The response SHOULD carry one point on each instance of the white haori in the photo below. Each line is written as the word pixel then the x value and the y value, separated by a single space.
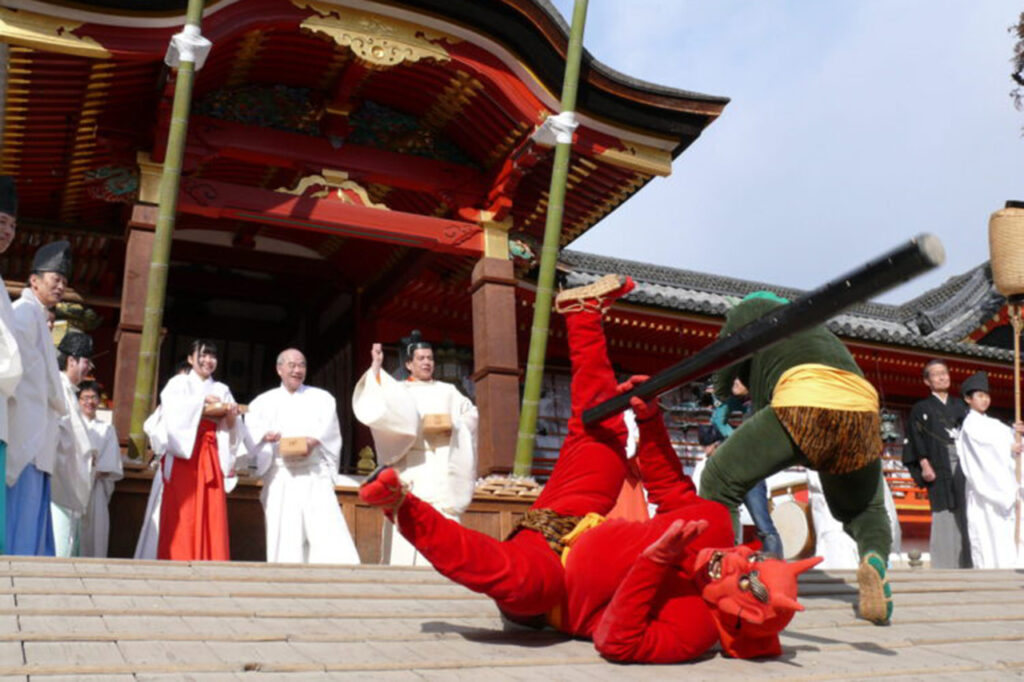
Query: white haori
pixel 984 448
pixel 440 469
pixel 149 535
pixel 303 518
pixel 182 402
pixel 71 483
pixel 10 358
pixel 95 538
pixel 38 400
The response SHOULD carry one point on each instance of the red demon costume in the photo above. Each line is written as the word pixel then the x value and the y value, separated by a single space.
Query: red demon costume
pixel 644 591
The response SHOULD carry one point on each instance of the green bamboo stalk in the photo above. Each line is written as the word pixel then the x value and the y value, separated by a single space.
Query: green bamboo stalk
pixel 549 256
pixel 156 289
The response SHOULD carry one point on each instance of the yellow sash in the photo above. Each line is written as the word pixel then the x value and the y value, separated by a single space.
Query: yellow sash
pixel 814 385
pixel 591 520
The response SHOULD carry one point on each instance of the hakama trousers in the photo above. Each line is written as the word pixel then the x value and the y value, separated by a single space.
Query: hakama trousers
pixel 94 535
pixel 149 535
pixel 194 509
pixel 3 500
pixel 67 528
pixel 304 521
pixel 29 524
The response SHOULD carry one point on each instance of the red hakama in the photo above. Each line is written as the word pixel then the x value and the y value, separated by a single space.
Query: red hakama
pixel 194 511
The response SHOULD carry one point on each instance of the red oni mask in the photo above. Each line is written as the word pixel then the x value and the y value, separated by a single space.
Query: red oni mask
pixel 752 597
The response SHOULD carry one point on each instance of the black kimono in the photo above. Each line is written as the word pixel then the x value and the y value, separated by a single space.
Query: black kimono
pixel 929 437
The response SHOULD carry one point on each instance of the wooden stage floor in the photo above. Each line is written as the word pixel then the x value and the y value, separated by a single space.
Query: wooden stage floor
pixel 91 620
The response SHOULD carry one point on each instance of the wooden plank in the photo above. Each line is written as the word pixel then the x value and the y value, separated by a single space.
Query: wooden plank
pixel 73 653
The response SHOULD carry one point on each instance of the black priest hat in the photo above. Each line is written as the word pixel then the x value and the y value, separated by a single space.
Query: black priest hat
pixel 8 195
pixel 53 257
pixel 976 382
pixel 76 345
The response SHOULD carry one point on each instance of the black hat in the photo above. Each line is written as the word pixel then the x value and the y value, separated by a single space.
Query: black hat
pixel 8 195
pixel 76 345
pixel 415 343
pixel 53 257
pixel 976 382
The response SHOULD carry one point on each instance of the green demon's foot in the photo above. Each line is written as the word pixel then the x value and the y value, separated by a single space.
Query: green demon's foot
pixel 875 593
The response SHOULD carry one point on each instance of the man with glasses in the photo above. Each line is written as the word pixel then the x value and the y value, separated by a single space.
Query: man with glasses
pixel 106 471
pixel 298 446
pixel 72 472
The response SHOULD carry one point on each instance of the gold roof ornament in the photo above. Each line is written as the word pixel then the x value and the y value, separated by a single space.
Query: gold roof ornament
pixel 375 39
pixel 333 182
pixel 49 34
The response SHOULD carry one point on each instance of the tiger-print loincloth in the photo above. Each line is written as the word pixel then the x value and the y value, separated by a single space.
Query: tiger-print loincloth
pixel 552 525
pixel 834 441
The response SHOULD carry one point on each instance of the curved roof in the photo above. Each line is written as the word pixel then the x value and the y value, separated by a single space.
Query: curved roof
pixel 937 320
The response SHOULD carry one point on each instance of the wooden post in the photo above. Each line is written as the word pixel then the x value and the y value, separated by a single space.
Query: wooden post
pixel 1017 323
pixel 495 363
pixel 139 249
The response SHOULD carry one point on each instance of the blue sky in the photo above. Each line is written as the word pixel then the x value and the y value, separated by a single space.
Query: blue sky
pixel 853 126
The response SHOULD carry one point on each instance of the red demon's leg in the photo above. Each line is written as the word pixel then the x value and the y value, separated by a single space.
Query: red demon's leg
pixel 592 464
pixel 661 471
pixel 522 574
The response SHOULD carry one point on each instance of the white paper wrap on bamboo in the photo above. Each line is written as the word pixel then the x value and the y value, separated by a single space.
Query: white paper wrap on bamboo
pixel 182 402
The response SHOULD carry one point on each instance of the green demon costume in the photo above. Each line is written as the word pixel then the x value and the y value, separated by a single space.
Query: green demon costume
pixel 813 408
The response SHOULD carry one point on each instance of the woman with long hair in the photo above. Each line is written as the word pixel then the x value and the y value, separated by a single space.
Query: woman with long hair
pixel 203 434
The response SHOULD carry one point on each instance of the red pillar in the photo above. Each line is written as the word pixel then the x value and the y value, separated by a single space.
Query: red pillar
pixel 138 253
pixel 495 363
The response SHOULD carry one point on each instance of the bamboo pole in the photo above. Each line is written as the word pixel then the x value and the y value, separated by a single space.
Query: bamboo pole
pixel 1017 323
pixel 156 288
pixel 549 256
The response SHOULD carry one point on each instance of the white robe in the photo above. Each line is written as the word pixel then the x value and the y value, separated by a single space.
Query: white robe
pixel 149 535
pixel 303 519
pixel 182 402
pixel 72 472
pixel 983 446
pixel 71 481
pixel 108 469
pixel 39 399
pixel 10 358
pixel 441 470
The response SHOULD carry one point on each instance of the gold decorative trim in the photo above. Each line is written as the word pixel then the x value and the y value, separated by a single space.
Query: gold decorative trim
pixel 150 173
pixel 459 91
pixel 336 183
pixel 47 34
pixel 496 237
pixel 377 40
pixel 84 146
pixel 640 158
